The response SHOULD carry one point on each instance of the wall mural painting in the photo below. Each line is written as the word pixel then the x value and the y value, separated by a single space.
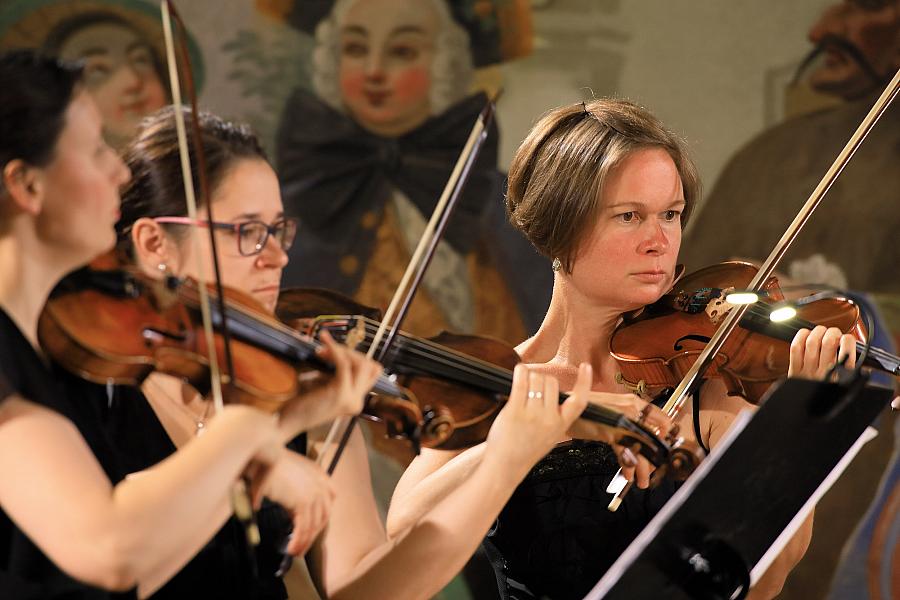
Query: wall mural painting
pixel 120 42
pixel 856 51
pixel 365 150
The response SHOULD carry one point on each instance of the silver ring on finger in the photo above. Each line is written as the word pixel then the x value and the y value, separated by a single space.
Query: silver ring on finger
pixel 628 458
pixel 644 414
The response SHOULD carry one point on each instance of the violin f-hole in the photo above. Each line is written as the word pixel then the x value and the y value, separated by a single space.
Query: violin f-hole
pixel 697 338
pixel 151 335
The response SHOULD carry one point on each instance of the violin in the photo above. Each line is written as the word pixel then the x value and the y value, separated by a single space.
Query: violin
pixel 465 378
pixel 119 326
pixel 656 347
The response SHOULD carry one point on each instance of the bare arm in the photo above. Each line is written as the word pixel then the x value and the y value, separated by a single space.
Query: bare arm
pixel 430 477
pixel 441 542
pixel 53 488
pixel 355 528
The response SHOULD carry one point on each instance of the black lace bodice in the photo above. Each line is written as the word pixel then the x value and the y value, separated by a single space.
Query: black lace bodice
pixel 555 538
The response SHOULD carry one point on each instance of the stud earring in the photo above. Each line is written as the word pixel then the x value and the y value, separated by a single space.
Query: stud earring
pixel 162 267
pixel 557 265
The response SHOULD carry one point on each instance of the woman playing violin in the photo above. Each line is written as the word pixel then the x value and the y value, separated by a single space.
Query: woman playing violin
pixel 353 558
pixel 71 524
pixel 603 190
pixel 147 425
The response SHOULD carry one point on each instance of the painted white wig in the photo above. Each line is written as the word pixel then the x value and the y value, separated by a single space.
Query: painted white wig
pixel 451 69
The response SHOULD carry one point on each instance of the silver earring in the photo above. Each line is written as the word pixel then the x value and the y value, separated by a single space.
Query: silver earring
pixel 557 265
pixel 162 267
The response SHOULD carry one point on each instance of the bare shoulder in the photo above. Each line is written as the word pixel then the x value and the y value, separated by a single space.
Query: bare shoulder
pixel 714 397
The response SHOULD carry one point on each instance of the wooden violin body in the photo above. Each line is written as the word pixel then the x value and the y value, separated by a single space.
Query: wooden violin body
pixel 656 347
pixel 122 326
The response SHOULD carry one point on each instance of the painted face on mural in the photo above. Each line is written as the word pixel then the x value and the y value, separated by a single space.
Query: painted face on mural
pixel 386 53
pixel 860 40
pixel 120 73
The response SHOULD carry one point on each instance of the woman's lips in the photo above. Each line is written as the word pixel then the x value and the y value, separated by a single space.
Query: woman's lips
pixel 650 276
pixel 266 289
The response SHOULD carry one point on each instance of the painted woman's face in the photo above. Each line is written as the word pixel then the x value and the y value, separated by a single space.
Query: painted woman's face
pixel 386 51
pixel 120 74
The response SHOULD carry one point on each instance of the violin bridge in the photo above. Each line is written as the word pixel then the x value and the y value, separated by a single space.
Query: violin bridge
pixel 718 307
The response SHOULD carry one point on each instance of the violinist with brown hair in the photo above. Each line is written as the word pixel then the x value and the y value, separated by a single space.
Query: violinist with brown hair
pixel 603 189
pixel 71 524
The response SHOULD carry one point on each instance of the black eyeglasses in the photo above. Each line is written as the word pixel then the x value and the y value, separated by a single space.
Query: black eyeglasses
pixel 252 236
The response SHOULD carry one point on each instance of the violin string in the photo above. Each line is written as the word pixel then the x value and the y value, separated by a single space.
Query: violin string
pixel 449 357
pixel 763 310
pixel 464 362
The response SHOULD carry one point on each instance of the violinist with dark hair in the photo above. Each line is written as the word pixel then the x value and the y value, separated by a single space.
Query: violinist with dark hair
pixel 148 424
pixel 602 189
pixel 71 524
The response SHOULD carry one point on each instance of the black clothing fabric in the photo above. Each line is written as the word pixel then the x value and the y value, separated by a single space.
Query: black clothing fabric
pixel 25 572
pixel 555 538
pixel 223 568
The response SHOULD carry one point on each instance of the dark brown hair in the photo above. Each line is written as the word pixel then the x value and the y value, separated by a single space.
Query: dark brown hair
pixel 34 97
pixel 156 188
pixel 556 177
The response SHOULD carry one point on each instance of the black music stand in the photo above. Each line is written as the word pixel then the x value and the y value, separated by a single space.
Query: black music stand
pixel 727 515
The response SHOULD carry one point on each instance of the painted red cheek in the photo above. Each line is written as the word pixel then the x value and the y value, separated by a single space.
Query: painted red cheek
pixel 155 95
pixel 352 83
pixel 412 83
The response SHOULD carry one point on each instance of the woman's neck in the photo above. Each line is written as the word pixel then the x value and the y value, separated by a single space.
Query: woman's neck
pixel 26 279
pixel 575 330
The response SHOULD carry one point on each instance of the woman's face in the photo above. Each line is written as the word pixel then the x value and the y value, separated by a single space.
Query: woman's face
pixel 386 51
pixel 628 259
pixel 81 186
pixel 248 192
pixel 120 73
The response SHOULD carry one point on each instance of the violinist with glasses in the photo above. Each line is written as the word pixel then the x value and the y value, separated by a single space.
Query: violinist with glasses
pixel 603 190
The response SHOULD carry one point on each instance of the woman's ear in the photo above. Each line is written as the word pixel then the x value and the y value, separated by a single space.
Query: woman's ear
pixel 154 251
pixel 24 186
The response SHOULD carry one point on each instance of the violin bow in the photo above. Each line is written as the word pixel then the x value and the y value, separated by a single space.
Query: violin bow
pixel 415 270
pixel 675 404
pixel 691 380
pixel 241 504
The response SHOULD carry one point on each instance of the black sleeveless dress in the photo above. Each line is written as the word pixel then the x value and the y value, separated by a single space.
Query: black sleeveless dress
pixel 225 567
pixel 555 538
pixel 26 573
